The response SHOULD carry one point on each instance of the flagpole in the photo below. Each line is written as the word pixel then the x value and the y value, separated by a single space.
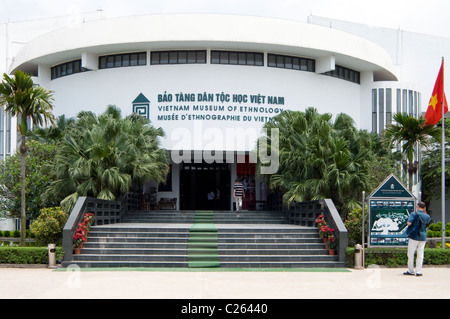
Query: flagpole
pixel 443 161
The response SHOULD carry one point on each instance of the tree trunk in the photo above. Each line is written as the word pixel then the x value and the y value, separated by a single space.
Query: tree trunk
pixel 411 180
pixel 23 215
pixel 412 169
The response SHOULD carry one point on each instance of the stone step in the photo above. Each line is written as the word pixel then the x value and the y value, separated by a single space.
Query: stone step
pixel 242 240
pixel 184 228
pixel 223 258
pixel 125 264
pixel 183 245
pixel 230 217
pixel 236 264
pixel 222 252
pixel 220 240
pixel 260 221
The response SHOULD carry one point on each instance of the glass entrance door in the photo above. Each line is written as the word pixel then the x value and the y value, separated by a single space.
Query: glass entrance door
pixel 205 186
pixel 245 173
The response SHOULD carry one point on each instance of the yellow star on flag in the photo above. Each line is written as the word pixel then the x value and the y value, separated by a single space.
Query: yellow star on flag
pixel 433 101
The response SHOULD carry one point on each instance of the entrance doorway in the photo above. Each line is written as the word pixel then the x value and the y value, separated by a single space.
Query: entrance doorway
pixel 205 186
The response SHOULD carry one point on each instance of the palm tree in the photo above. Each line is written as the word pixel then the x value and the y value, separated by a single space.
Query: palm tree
pixel 103 157
pixel 23 99
pixel 52 134
pixel 320 158
pixel 411 133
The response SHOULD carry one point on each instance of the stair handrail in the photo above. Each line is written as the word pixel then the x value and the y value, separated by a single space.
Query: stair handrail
pixel 115 210
pixel 341 233
pixel 69 229
pixel 305 214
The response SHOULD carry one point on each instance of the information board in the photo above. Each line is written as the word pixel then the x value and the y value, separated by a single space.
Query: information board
pixel 389 208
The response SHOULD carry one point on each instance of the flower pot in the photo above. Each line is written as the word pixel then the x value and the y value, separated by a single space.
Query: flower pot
pixel 332 251
pixel 325 240
pixel 77 251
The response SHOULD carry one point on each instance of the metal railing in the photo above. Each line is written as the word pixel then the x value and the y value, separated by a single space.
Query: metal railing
pixel 105 212
pixel 305 214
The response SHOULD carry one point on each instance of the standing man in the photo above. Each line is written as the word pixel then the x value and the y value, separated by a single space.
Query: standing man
pixel 238 193
pixel 417 233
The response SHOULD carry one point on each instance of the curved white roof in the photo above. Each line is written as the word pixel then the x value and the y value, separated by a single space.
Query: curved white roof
pixel 205 31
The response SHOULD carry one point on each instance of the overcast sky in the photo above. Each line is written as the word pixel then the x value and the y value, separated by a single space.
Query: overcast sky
pixel 431 17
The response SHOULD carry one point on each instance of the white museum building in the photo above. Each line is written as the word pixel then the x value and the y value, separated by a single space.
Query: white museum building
pixel 212 81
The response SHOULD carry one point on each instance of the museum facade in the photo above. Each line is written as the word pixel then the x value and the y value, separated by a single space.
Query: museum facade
pixel 211 82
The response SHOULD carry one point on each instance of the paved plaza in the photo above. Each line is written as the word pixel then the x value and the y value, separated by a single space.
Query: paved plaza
pixel 374 283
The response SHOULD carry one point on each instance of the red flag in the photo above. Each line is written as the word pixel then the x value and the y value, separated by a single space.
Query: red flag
pixel 434 111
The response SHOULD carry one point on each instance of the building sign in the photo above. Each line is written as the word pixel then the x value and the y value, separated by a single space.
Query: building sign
pixel 389 208
pixel 211 121
pixel 141 106
pixel 207 106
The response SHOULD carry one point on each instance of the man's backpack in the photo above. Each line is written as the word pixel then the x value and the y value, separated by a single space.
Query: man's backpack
pixel 413 230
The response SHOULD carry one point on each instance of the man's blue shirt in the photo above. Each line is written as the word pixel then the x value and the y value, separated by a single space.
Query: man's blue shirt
pixel 426 220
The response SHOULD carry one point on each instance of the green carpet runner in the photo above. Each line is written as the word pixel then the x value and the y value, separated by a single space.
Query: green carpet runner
pixel 202 242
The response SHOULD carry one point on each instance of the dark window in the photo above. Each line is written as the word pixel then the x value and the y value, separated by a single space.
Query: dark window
pixel 291 62
pixel 388 106
pixel 237 58
pixel 133 59
pixel 109 61
pixel 66 68
pixel 345 74
pixel 374 110
pixel 381 110
pixel 122 60
pixel 177 57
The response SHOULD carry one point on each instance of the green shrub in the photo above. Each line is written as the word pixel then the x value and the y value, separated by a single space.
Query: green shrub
pixel 389 257
pixel 433 233
pixel 27 255
pixel 6 233
pixel 394 257
pixel 435 230
pixel 435 227
pixel 436 257
pixel 48 227
pixel 353 223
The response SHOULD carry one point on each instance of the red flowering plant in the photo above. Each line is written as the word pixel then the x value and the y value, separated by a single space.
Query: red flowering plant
pixel 82 230
pixel 322 224
pixel 78 238
pixel 320 220
pixel 327 232
pixel 331 243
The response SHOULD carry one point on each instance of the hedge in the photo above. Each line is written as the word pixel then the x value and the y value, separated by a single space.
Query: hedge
pixel 15 233
pixel 394 257
pixel 27 255
pixel 379 256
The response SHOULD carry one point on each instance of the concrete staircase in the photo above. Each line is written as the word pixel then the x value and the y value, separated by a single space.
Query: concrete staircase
pixel 244 240
pixel 220 217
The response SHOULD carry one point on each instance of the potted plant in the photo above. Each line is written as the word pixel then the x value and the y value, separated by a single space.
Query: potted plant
pixel 321 224
pixel 88 220
pixel 331 244
pixel 78 240
pixel 82 232
pixel 323 232
pixel 327 232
